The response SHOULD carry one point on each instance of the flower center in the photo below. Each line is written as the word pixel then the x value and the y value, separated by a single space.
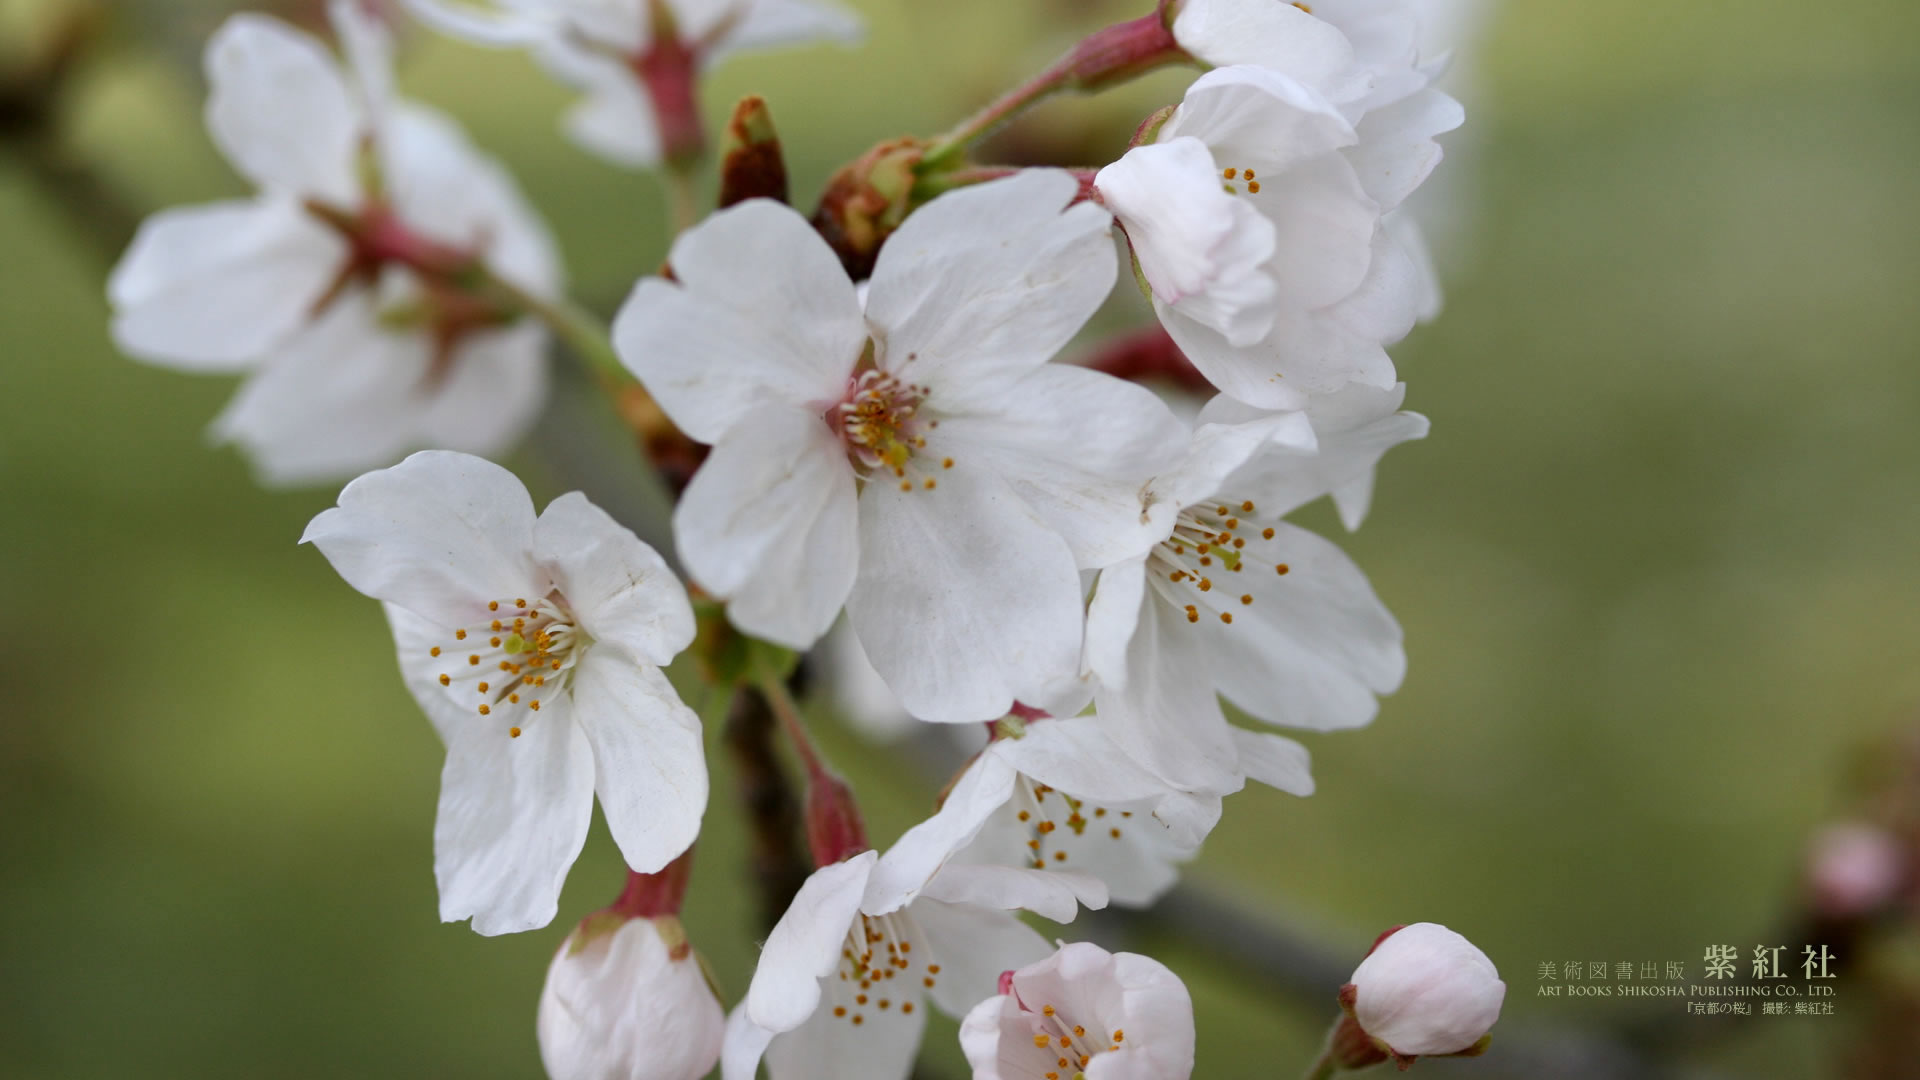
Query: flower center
pixel 884 426
pixel 1042 810
pixel 1070 1046
pixel 1234 177
pixel 503 666
pixel 879 949
pixel 1210 542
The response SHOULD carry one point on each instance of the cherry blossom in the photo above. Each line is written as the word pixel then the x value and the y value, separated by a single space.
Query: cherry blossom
pixel 534 645
pixel 1062 794
pixel 844 980
pixel 1256 217
pixel 341 288
pixel 1084 1012
pixel 1234 600
pixel 918 460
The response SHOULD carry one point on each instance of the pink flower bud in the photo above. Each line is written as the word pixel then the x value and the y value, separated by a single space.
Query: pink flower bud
pixel 1425 990
pixel 626 999
pixel 1854 869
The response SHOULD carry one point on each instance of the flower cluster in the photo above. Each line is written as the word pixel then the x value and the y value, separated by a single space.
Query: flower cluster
pixel 1101 574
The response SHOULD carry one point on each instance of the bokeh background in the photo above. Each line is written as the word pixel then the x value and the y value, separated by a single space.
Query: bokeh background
pixel 1656 565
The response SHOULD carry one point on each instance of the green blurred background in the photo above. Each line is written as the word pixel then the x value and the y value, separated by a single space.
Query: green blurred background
pixel 1656 564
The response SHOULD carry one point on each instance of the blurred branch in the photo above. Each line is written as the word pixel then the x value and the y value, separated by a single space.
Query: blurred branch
pixel 779 861
pixel 32 107
pixel 1291 962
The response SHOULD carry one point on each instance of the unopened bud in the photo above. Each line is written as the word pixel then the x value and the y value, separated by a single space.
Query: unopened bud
pixel 866 201
pixel 753 167
pixel 835 830
pixel 627 999
pixel 1424 991
pixel 1854 870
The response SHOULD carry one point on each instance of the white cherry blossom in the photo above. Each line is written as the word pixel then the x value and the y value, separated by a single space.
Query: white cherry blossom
pixel 333 285
pixel 1377 62
pixel 1256 217
pixel 1084 1012
pixel 1061 794
pixel 918 460
pixel 626 999
pixel 534 645
pixel 844 980
pixel 1236 601
pixel 639 61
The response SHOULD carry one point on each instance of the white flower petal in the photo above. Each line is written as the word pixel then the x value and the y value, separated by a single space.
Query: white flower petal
pixel 1218 450
pixel 992 1055
pixel 281 112
pixel 616 121
pixel 440 534
pixel 881 1047
pixel 1355 427
pixel 445 188
pixel 1426 990
pixel 769 24
pixel 1324 229
pixel 650 767
pixel 1077 445
pixel 513 816
pixel 498 28
pixel 1257 373
pixel 1397 151
pixel 338 398
pixel 620 590
pixel 973 945
pixel 1386 305
pixel 802 584
pixel 932 551
pixel 1308 353
pixel 367 45
pixel 1112 616
pixel 1275 35
pixel 769 483
pixel 1078 755
pixel 216 288
pixel 745 1044
pixel 1258 117
pixel 805 946
pixel 621 1007
pixel 489 396
pixel 761 313
pixel 1107 992
pixel 1052 894
pixel 1404 230
pixel 1275 761
pixel 1315 646
pixel 1201 247
pixel 989 281
pixel 1168 719
pixel 921 851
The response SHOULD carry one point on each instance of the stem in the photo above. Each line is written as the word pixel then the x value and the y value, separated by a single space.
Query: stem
pixel 787 712
pixel 835 829
pixel 580 329
pixel 683 202
pixel 1105 57
pixel 649 896
pixel 1324 1068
